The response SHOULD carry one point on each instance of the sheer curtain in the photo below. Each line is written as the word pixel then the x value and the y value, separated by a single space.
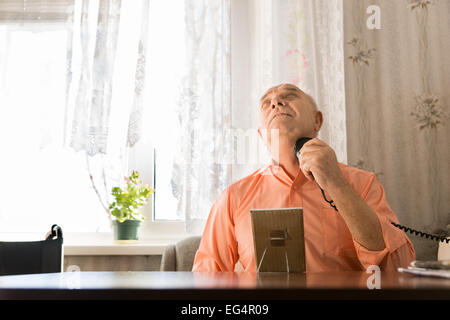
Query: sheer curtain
pixel 106 87
pixel 301 42
pixel 298 42
pixel 199 173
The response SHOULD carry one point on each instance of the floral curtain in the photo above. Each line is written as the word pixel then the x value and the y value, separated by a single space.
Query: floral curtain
pixel 397 81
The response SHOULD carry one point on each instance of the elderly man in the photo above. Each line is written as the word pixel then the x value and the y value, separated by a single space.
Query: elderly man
pixel 359 235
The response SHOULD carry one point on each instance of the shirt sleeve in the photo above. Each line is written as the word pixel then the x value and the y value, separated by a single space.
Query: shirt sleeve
pixel 399 251
pixel 218 246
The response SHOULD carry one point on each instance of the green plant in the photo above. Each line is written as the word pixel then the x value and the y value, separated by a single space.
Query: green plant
pixel 128 201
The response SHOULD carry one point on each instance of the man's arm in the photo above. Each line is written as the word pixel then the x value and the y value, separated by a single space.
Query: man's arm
pixel 365 211
pixel 399 251
pixel 318 161
pixel 361 219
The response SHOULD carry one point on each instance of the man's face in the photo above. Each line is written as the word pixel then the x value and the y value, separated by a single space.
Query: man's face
pixel 289 110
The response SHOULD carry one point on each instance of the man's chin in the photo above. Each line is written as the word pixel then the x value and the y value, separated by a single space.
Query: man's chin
pixel 282 130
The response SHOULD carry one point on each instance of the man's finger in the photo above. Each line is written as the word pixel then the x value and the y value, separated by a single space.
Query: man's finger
pixel 311 150
pixel 305 164
pixel 315 141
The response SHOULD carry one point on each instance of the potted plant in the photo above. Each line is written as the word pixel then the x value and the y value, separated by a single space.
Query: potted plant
pixel 126 207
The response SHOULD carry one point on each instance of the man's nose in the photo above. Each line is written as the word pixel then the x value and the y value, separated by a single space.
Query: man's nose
pixel 277 102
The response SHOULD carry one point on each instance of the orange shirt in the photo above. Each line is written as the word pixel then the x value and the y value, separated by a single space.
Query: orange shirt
pixel 227 236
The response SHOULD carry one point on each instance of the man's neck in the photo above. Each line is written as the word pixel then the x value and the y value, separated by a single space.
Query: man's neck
pixel 287 158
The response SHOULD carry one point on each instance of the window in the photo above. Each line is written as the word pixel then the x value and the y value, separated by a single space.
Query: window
pixel 43 182
pixel 166 61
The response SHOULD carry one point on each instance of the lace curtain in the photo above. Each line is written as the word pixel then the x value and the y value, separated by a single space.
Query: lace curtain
pixel 299 42
pixel 106 76
pixel 313 59
pixel 93 97
pixel 204 112
pixel 270 45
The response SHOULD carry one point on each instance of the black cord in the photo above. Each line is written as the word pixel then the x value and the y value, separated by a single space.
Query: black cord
pixel 421 233
pixel 404 228
pixel 331 202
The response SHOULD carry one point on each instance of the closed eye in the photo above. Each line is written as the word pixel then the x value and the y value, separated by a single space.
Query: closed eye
pixel 291 96
pixel 265 104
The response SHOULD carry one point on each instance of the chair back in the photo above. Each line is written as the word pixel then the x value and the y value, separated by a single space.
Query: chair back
pixel 180 256
pixel 33 256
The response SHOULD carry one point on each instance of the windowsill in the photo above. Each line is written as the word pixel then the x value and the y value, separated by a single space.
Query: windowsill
pixel 147 247
pixel 104 244
pixel 93 244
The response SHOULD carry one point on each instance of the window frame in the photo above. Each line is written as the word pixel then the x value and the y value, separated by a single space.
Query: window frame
pixel 151 228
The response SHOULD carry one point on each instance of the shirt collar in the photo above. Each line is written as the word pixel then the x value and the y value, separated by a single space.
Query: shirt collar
pixel 275 170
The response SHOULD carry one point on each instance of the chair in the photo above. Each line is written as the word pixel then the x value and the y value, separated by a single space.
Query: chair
pixel 180 256
pixel 33 256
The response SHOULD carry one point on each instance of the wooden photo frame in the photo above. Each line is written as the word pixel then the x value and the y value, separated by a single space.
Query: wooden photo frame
pixel 278 238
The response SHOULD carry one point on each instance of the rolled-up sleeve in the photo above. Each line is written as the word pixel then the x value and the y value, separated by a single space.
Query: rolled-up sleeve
pixel 218 246
pixel 399 251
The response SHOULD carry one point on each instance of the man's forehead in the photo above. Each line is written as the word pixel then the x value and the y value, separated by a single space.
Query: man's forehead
pixel 282 89
pixel 289 89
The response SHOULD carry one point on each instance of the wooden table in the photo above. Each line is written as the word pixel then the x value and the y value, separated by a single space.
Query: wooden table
pixel 220 286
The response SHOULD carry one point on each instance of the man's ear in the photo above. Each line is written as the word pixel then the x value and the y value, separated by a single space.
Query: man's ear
pixel 318 120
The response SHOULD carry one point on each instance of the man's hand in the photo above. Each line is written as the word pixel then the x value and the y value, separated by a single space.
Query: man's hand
pixel 318 162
